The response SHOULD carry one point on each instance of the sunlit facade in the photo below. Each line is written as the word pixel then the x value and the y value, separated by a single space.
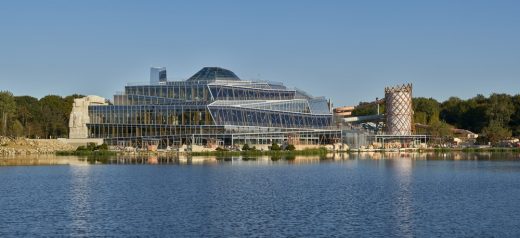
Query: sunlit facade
pixel 212 106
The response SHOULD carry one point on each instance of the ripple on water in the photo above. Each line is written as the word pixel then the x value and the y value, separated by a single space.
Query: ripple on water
pixel 308 197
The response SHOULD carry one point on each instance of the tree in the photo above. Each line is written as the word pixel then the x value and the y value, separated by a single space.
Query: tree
pixel 451 111
pixel 474 117
pixel 426 110
pixel 514 123
pixel 275 146
pixel 7 109
pixel 54 116
pixel 17 129
pixel 290 147
pixel 495 132
pixel 466 114
pixel 245 147
pixel 29 114
pixel 500 109
pixel 367 108
pixel 440 129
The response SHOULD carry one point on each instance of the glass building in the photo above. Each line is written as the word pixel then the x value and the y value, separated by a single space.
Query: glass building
pixel 157 75
pixel 213 106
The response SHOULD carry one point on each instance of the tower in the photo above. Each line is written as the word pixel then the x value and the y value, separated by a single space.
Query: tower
pixel 399 111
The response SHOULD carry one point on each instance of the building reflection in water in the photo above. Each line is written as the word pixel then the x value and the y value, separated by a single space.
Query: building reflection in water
pixel 49 159
pixel 404 207
pixel 80 202
pixel 215 160
pixel 241 160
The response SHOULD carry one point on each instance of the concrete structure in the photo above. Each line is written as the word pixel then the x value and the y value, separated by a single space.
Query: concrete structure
pixel 157 75
pixel 79 116
pixel 81 141
pixel 399 110
pixel 343 112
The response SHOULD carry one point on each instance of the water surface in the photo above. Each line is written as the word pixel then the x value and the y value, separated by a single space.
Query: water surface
pixel 371 195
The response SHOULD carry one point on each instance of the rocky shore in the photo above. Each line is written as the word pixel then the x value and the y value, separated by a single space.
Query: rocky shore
pixel 23 146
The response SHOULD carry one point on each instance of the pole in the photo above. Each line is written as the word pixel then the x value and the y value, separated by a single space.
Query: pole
pixel 377 102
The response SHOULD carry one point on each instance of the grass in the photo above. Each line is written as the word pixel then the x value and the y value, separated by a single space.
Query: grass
pixel 87 153
pixel 320 151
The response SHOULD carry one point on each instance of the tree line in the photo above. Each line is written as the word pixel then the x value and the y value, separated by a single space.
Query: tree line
pixel 26 116
pixel 494 118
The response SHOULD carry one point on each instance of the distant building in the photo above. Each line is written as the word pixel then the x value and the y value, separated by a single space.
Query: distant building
pixel 157 75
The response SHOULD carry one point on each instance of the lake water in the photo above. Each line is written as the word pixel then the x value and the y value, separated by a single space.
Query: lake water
pixel 365 195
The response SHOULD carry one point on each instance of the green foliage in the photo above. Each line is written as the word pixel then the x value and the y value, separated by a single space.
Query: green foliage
pixel 17 129
pixel 246 147
pixel 275 147
pixel 440 129
pixel 496 117
pixel 274 153
pixel 7 112
pixel 495 132
pixel 221 149
pixel 87 153
pixel 29 114
pixel 426 110
pixel 93 147
pixel 103 147
pixel 500 109
pixel 81 148
pixel 54 116
pixel 469 114
pixel 29 117
pixel 466 114
pixel 514 123
pixel 366 108
pixel 290 147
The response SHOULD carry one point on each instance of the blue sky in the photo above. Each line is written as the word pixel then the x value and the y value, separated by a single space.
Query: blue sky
pixel 345 50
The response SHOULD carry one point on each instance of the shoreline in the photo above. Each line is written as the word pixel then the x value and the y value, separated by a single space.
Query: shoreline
pixel 39 148
pixel 309 152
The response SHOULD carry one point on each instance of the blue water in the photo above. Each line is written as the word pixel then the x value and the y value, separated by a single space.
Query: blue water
pixel 356 197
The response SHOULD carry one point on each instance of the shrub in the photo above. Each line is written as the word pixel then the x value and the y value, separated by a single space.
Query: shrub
pixel 290 147
pixel 103 147
pixel 275 147
pixel 81 148
pixel 221 149
pixel 91 146
pixel 246 147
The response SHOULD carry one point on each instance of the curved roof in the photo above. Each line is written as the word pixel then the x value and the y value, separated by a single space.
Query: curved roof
pixel 212 74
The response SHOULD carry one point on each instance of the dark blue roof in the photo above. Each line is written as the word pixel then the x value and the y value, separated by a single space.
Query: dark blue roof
pixel 213 73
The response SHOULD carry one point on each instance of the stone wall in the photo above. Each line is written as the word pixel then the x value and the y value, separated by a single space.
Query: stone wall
pixel 23 146
pixel 81 141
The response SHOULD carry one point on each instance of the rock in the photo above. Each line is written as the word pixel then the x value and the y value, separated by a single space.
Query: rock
pixel 24 146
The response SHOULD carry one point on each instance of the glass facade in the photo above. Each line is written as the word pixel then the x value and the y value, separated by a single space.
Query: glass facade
pixel 213 104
